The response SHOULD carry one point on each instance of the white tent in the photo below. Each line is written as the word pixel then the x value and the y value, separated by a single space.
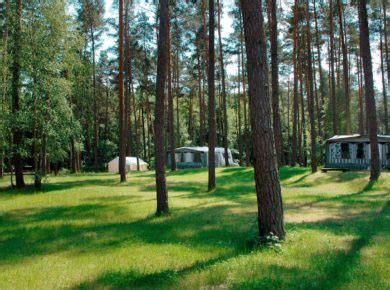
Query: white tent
pixel 131 164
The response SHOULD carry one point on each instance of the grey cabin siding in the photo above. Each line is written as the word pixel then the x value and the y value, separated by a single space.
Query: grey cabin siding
pixel 334 155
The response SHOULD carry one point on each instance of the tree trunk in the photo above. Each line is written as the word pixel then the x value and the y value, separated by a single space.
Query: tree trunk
pixel 106 113
pixel 322 82
pixel 275 80
pixel 16 133
pixel 37 175
pixel 224 104
pixel 360 92
pixel 247 136
pixel 211 90
pixel 128 79
pixel 269 199
pixel 303 118
pixel 177 98
pixel 384 50
pixel 4 80
pixel 95 109
pixel 332 76
pixel 294 144
pixel 162 65
pixel 386 47
pixel 345 69
pixel 310 96
pixel 200 96
pixel 239 132
pixel 386 114
pixel 369 89
pixel 171 127
pixel 122 135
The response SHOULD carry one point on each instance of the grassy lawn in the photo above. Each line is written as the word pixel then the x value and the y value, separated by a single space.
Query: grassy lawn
pixel 89 231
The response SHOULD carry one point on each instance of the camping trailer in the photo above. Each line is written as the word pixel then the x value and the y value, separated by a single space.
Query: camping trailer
pixel 197 157
pixel 131 164
pixel 352 152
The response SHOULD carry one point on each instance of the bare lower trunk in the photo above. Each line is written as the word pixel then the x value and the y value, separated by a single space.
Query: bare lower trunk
pixel 360 93
pixel 345 69
pixel 211 88
pixel 162 65
pixel 369 89
pixel 269 199
pixel 224 104
pixel 386 47
pixel 294 144
pixel 17 134
pixel 310 96
pixel 122 135
pixel 332 75
pixel 171 127
pixel 275 80
pixel 385 111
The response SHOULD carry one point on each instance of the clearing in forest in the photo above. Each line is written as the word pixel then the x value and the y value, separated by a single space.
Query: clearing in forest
pixel 90 231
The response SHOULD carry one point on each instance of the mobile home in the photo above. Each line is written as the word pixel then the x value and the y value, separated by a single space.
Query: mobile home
pixel 197 157
pixel 352 152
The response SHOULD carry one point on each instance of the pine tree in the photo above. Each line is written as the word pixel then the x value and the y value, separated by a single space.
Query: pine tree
pixel 162 66
pixel 365 50
pixel 269 199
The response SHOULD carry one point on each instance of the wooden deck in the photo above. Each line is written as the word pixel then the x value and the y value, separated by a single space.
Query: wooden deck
pixel 335 169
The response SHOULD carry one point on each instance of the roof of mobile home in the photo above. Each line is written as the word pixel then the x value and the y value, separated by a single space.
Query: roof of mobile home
pixel 358 138
pixel 199 149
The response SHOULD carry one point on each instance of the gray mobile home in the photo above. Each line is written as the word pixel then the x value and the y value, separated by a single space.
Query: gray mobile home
pixel 197 157
pixel 352 152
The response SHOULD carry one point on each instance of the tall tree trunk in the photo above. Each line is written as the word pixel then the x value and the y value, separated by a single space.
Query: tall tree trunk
pixel 162 66
pixel 239 132
pixel 211 90
pixel 360 92
pixel 387 57
pixel 303 118
pixel 320 72
pixel 345 69
pixel 369 89
pixel 294 144
pixel 106 112
pixel 247 136
pixel 224 102
pixel 321 102
pixel 310 96
pixel 177 97
pixel 122 134
pixel 4 79
pixel 128 79
pixel 16 132
pixel 275 80
pixel 37 175
pixel 95 108
pixel 200 95
pixel 318 109
pixel 269 198
pixel 332 76
pixel 386 113
pixel 171 127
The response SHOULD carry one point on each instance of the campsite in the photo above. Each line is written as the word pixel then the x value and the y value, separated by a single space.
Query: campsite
pixel 203 144
pixel 89 231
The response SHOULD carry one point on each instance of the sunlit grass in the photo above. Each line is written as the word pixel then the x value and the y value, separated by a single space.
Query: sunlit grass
pixel 90 231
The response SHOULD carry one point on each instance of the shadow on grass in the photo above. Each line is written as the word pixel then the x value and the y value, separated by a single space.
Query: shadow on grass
pixel 326 270
pixel 39 231
pixel 157 280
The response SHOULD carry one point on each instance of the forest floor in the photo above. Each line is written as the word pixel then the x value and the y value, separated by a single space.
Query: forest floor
pixel 89 231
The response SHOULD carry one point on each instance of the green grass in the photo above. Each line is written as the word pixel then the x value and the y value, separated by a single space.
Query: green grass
pixel 89 231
